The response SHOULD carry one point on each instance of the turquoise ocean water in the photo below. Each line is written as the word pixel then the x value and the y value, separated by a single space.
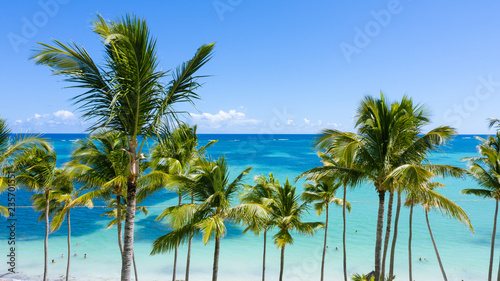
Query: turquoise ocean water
pixel 465 254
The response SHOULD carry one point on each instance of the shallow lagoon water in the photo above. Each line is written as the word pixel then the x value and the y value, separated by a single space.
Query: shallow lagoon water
pixel 465 254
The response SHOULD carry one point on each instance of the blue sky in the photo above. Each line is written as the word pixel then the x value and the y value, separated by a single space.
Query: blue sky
pixel 279 67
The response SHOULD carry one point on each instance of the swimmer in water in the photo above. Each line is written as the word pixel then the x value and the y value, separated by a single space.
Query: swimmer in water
pixel 53 261
pixel 85 256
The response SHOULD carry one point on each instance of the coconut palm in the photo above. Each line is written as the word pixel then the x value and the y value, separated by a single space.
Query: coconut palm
pixel 214 191
pixel 99 165
pixel 261 194
pixel 388 137
pixel 486 172
pixel 323 192
pixel 286 213
pixel 12 148
pixel 62 199
pixel 347 174
pixel 174 155
pixel 37 172
pixel 431 199
pixel 126 93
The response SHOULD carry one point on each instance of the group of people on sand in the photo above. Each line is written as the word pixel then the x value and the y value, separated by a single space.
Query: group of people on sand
pixel 62 255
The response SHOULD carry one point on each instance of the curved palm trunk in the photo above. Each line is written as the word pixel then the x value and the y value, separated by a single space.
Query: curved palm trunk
pixel 282 263
pixel 128 242
pixel 380 225
pixel 188 262
pixel 324 247
pixel 119 221
pixel 216 259
pixel 394 238
pixel 343 233
pixel 409 242
pixel 493 242
pixel 135 267
pixel 46 241
pixel 264 256
pixel 176 247
pixel 69 246
pixel 435 248
pixel 387 233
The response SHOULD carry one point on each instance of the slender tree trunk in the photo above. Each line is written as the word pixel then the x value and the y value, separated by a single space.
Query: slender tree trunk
pixel 324 247
pixel 176 252
pixel 128 243
pixel 387 233
pixel 380 226
pixel 216 259
pixel 188 262
pixel 435 248
pixel 343 233
pixel 498 274
pixel 264 256
pixel 493 242
pixel 119 221
pixel 46 241
pixel 409 242
pixel 69 246
pixel 282 263
pixel 394 238
pixel 135 267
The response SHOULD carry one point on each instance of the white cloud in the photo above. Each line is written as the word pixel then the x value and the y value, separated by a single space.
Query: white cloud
pixel 62 121
pixel 307 121
pixel 223 119
pixel 64 114
pixel 289 122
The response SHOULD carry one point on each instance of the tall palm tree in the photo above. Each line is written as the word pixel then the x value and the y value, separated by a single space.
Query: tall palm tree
pixel 12 148
pixel 126 93
pixel 173 158
pixel 37 172
pixel 388 137
pixel 486 172
pixel 63 198
pixel 286 214
pixel 340 168
pixel 323 192
pixel 262 194
pixel 431 199
pixel 214 191
pixel 99 164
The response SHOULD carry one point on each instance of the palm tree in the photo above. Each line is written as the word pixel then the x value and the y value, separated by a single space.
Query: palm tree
pixel 37 172
pixel 388 137
pixel 214 191
pixel 99 164
pixel 12 148
pixel 341 168
pixel 173 159
pixel 262 194
pixel 323 192
pixel 430 199
pixel 286 213
pixel 486 172
pixel 62 199
pixel 126 94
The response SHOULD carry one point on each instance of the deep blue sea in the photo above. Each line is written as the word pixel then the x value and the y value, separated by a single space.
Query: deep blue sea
pixel 465 254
